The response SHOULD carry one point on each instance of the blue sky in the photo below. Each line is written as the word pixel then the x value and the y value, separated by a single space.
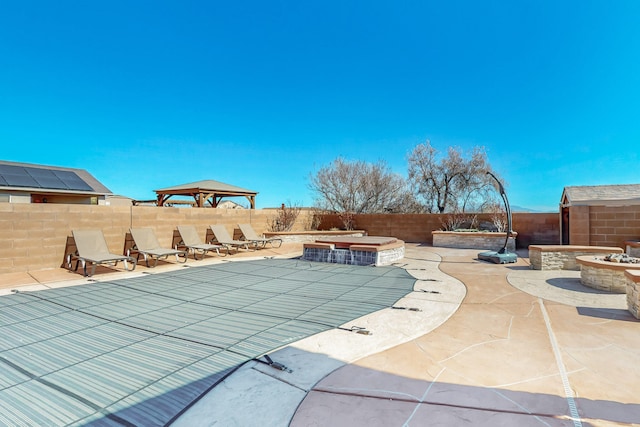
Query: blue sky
pixel 150 94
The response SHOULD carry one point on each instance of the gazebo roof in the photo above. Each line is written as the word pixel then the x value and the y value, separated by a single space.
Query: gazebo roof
pixel 205 190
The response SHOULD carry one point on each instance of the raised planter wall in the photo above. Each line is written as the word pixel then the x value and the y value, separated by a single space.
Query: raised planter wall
pixel 563 257
pixel 473 240
pixel 633 292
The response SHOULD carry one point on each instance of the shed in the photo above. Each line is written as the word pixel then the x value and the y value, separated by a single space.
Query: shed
pixel 32 183
pixel 207 191
pixel 600 215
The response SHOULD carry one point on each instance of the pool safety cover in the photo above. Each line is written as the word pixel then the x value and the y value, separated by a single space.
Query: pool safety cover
pixel 139 351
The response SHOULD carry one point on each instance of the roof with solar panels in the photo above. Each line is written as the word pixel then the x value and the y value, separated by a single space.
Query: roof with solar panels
pixel 32 178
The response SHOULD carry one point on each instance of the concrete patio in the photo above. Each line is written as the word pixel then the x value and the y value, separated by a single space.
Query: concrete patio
pixel 473 344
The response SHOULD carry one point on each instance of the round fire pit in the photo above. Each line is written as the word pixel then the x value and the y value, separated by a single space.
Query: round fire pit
pixel 606 273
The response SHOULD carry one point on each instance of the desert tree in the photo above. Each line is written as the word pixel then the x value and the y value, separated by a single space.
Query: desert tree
pixel 457 182
pixel 357 187
pixel 284 218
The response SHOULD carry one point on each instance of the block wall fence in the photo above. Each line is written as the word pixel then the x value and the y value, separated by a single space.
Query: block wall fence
pixel 532 228
pixel 36 236
pixel 612 226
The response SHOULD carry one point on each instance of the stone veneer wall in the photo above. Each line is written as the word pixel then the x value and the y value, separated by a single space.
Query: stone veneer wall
pixel 603 279
pixel 472 240
pixel 564 258
pixel 633 292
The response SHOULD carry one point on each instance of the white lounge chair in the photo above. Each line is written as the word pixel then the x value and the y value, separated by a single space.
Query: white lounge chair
pixel 146 244
pixel 249 234
pixel 91 247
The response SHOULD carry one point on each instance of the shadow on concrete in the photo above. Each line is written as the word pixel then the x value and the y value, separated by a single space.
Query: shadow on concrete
pixel 573 284
pixel 352 394
pixel 607 313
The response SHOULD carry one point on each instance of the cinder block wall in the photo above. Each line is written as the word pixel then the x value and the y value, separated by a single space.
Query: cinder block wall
pixel 611 225
pixel 37 236
pixel 579 229
pixel 532 228
pixel 536 228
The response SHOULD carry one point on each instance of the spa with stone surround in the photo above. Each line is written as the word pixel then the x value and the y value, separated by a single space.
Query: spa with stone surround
pixel 366 250
pixel 607 273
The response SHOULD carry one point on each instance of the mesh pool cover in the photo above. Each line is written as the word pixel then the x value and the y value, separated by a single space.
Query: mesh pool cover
pixel 139 351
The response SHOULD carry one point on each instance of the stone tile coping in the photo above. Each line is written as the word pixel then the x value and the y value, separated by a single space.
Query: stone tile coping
pixel 589 260
pixel 377 248
pixel 633 275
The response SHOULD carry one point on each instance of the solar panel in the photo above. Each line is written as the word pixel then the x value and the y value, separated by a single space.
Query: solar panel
pixel 25 176
pixel 72 180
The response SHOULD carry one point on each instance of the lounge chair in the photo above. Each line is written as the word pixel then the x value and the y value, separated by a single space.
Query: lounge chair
pixel 146 244
pixel 192 242
pixel 249 234
pixel 91 247
pixel 221 236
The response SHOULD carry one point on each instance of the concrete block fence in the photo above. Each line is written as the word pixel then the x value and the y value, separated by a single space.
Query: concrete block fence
pixel 36 236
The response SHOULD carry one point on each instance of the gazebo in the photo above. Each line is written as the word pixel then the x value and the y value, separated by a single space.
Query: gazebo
pixel 207 191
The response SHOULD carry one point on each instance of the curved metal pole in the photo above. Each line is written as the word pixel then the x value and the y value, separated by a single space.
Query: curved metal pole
pixel 506 203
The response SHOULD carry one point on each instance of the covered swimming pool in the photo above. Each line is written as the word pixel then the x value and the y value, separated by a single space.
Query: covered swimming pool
pixel 141 350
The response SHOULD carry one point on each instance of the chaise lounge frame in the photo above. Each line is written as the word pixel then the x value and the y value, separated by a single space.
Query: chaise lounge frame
pixel 91 248
pixel 190 240
pixel 250 235
pixel 146 245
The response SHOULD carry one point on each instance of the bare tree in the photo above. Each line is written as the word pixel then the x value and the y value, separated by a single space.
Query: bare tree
pixel 455 183
pixel 358 187
pixel 284 218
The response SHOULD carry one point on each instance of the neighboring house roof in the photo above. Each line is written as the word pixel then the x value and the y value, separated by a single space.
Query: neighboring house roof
pixel 34 178
pixel 205 190
pixel 601 195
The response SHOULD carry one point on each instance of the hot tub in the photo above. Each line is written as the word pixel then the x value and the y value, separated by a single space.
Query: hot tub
pixel 366 250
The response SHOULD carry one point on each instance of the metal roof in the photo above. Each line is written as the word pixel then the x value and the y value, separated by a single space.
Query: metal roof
pixel 16 176
pixel 601 195
pixel 139 351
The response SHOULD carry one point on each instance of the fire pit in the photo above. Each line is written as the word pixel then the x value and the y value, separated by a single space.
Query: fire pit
pixel 606 273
